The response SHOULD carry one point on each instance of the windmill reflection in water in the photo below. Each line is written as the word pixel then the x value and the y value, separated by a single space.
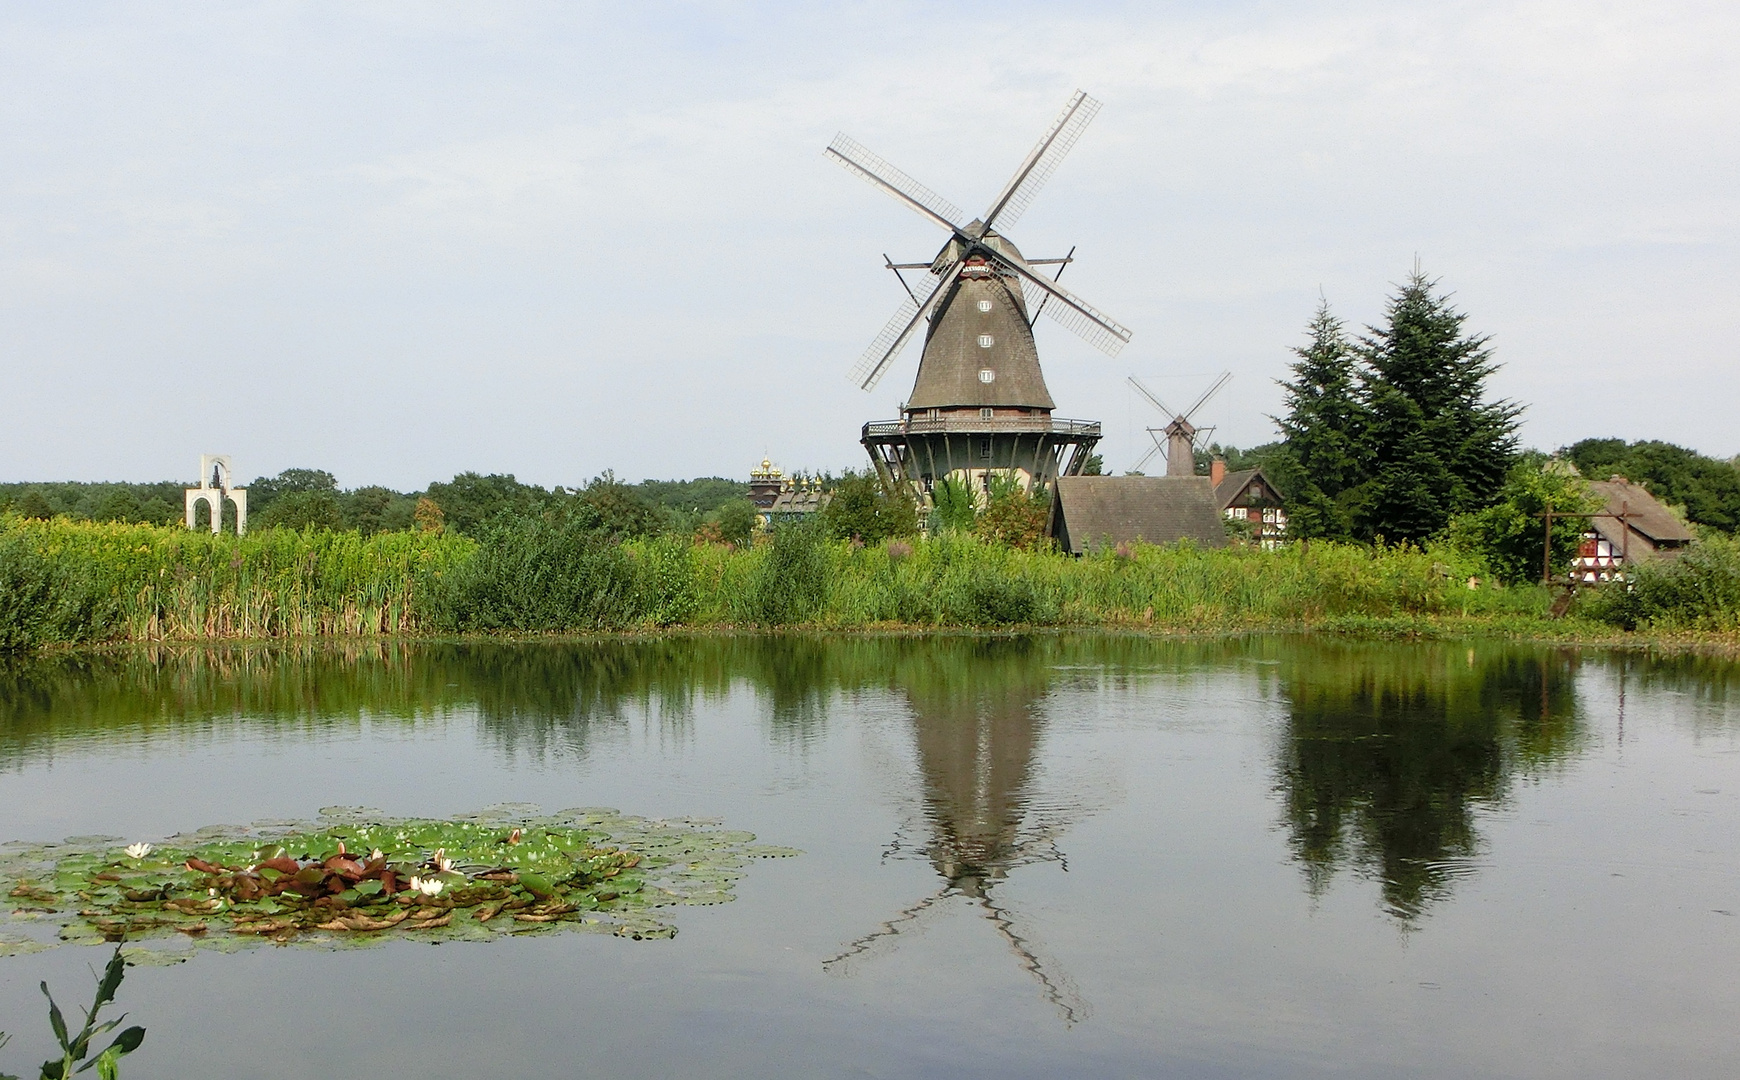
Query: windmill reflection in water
pixel 977 731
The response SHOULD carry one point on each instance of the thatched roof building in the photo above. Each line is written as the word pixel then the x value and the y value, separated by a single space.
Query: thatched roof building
pixel 1635 527
pixel 1090 512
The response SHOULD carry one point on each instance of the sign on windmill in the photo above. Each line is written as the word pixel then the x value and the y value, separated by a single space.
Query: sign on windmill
pixel 979 403
pixel 1181 434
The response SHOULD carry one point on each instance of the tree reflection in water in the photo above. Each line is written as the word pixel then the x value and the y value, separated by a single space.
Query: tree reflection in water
pixel 976 721
pixel 1389 751
pixel 1387 755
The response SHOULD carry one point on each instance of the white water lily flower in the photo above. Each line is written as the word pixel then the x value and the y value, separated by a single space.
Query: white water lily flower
pixel 138 851
pixel 427 886
pixel 376 854
pixel 441 861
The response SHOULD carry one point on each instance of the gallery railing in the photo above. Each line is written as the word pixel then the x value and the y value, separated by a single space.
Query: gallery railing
pixel 887 429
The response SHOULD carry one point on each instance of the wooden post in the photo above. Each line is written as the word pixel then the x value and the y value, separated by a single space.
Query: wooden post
pixel 1547 547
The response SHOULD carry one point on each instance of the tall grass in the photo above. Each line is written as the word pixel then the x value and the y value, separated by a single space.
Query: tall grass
pixel 107 582
pixel 63 582
pixel 545 575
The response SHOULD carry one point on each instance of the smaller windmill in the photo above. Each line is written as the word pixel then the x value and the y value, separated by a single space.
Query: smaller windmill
pixel 1181 434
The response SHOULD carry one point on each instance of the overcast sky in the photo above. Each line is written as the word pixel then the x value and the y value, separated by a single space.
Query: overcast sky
pixel 398 241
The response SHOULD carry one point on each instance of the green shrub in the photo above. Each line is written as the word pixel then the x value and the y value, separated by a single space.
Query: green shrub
pixel 1700 590
pixel 954 507
pixel 1509 535
pixel 736 520
pixel 1013 515
pixel 992 599
pixel 862 508
pixel 541 575
pixel 790 583
pixel 665 592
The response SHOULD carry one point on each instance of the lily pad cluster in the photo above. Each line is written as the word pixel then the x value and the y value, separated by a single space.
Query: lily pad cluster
pixel 356 876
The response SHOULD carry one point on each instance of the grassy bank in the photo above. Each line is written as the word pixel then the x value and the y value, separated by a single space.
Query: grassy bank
pixel 68 583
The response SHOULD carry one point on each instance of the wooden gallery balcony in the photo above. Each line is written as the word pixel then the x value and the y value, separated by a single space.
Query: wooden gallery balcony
pixel 880 430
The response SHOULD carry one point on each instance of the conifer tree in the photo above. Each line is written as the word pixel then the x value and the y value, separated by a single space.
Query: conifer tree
pixel 1435 446
pixel 1325 420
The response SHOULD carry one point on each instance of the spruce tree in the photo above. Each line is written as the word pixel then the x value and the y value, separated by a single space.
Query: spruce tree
pixel 1325 420
pixel 1434 446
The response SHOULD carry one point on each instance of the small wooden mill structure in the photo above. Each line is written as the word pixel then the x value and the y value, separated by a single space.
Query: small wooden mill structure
pixel 979 405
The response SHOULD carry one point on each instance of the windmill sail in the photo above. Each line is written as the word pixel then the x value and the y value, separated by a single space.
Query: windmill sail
pixel 1081 318
pixel 856 158
pixel 1053 147
pixel 883 351
pixel 1225 377
pixel 1149 394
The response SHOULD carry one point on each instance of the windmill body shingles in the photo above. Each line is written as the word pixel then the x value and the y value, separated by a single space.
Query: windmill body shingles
pixel 1090 512
pixel 981 309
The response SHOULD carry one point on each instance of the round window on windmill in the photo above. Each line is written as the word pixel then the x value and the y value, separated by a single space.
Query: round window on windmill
pixel 986 341
pixel 984 305
pixel 986 375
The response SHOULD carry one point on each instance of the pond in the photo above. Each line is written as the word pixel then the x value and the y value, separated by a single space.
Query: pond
pixel 1021 856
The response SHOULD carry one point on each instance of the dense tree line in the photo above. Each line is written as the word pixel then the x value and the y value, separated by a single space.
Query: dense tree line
pixel 311 498
pixel 134 503
pixel 1707 488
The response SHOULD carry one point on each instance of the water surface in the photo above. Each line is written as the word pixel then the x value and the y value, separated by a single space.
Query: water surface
pixel 1045 856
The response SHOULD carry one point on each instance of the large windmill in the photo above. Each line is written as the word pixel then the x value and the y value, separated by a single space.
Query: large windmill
pixel 979 404
pixel 1181 434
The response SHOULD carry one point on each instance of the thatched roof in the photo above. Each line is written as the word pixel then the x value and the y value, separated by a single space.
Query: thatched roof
pixel 1652 525
pixel 1089 512
pixel 982 327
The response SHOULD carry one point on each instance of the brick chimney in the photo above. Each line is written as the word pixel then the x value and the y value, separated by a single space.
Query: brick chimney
pixel 1217 471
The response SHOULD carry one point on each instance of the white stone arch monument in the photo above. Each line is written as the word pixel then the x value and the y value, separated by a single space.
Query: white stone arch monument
pixel 215 472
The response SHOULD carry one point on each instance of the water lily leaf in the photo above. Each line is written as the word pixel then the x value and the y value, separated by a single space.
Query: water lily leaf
pixel 11 946
pixel 590 869
pixel 136 956
pixel 771 851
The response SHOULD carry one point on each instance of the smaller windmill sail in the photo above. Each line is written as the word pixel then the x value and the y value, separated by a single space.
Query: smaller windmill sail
pixel 1153 399
pixel 883 351
pixel 1225 377
pixel 1181 434
pixel 1053 147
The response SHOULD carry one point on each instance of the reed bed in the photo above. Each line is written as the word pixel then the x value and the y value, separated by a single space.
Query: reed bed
pixel 961 581
pixel 99 582
pixel 65 582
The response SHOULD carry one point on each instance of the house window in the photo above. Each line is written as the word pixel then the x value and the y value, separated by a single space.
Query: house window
pixel 985 447
pixel 985 413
